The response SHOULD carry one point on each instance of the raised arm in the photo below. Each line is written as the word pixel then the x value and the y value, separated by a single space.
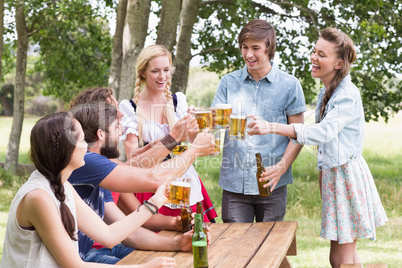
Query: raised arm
pixel 128 203
pixel 146 239
pixel 259 126
pixel 38 209
pixel 121 226
pixel 274 173
pixel 154 152
pixel 127 179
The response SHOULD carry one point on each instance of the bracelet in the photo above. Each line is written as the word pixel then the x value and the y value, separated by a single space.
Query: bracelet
pixel 138 209
pixel 151 207
pixel 153 203
pixel 169 142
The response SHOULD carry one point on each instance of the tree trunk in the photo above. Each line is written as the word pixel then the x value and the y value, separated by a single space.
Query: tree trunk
pixel 1 38
pixel 169 19
pixel 11 162
pixel 188 17
pixel 117 49
pixel 135 32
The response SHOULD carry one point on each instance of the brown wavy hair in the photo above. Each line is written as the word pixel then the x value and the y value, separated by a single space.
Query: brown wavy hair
pixel 93 116
pixel 53 140
pixel 91 95
pixel 345 51
pixel 260 30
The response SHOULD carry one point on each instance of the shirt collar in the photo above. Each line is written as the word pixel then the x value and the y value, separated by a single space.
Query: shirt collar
pixel 270 76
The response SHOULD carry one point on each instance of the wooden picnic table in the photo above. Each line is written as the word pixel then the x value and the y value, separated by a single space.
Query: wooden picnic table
pixel 262 244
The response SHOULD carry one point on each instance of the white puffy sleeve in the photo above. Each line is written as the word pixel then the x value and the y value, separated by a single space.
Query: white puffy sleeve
pixel 182 105
pixel 129 121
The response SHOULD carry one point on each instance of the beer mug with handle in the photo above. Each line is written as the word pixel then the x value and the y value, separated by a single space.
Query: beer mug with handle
pixel 204 119
pixel 222 114
pixel 179 194
pixel 237 127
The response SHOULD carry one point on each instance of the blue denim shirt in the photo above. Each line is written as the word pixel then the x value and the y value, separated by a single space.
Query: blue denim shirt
pixel 272 98
pixel 340 133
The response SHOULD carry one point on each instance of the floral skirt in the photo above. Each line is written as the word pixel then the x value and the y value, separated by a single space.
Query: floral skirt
pixel 351 206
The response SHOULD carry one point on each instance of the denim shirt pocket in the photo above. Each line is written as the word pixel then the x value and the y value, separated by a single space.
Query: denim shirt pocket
pixel 271 114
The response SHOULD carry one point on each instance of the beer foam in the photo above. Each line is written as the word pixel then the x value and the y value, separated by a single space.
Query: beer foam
pixel 223 106
pixel 180 183
pixel 237 116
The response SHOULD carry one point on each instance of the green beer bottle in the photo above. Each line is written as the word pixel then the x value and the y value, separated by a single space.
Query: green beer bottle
pixel 200 210
pixel 260 169
pixel 199 240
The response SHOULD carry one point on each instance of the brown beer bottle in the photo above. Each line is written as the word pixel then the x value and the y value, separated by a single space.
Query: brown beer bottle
pixel 260 169
pixel 185 214
pixel 200 210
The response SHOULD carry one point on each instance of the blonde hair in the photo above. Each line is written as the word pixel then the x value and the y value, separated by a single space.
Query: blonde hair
pixel 146 55
pixel 344 50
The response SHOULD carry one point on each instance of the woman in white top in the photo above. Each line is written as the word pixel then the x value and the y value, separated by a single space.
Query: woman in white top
pixel 46 211
pixel 151 114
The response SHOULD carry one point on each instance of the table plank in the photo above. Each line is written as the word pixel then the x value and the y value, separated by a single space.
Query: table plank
pixel 246 247
pixel 135 257
pixel 216 230
pixel 275 246
pixel 234 245
pixel 224 245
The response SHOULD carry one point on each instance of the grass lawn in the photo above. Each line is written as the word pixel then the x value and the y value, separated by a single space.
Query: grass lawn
pixel 382 151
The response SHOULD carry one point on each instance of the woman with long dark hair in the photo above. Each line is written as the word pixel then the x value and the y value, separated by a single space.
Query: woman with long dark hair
pixel 46 211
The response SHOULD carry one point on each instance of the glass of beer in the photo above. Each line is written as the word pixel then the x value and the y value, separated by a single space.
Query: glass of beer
pixel 179 149
pixel 222 113
pixel 179 195
pixel 204 119
pixel 217 145
pixel 237 127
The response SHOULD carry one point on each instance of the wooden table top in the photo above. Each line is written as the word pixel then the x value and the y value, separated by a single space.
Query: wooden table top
pixel 262 244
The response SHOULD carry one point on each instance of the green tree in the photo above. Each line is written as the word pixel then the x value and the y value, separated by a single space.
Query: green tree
pixel 375 26
pixel 74 48
pixel 211 28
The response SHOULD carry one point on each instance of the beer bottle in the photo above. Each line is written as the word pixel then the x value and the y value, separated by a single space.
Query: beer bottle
pixel 199 241
pixel 260 169
pixel 200 210
pixel 185 214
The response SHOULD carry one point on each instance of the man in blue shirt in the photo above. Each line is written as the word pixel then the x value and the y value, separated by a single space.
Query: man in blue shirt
pixel 99 176
pixel 259 89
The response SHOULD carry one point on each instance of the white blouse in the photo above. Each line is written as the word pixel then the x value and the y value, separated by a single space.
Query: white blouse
pixel 25 248
pixel 152 130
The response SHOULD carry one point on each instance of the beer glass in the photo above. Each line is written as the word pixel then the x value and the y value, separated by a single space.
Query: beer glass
pixel 217 145
pixel 222 113
pixel 179 149
pixel 204 119
pixel 237 127
pixel 179 192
